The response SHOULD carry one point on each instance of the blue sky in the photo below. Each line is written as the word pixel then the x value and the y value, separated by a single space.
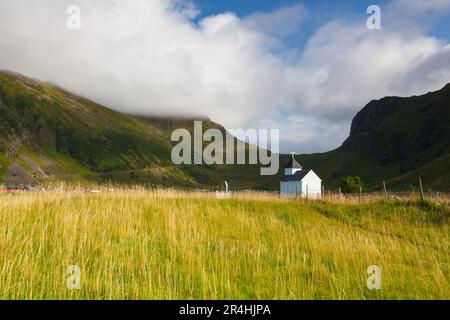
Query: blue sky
pixel 246 7
pixel 320 11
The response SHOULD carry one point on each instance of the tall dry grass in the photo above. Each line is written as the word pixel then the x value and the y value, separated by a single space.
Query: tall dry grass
pixel 167 244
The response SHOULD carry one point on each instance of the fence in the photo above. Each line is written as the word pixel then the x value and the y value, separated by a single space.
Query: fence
pixel 378 196
pixel 323 195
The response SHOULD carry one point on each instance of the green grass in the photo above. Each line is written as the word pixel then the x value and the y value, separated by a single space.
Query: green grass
pixel 167 245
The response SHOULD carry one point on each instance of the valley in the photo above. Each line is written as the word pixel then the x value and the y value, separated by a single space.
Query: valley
pixel 48 134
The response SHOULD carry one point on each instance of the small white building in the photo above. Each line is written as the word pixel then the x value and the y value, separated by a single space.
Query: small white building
pixel 299 182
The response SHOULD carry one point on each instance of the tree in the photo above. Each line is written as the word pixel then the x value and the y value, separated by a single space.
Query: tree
pixel 351 184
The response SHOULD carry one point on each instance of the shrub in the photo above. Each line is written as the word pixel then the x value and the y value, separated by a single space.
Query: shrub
pixel 351 184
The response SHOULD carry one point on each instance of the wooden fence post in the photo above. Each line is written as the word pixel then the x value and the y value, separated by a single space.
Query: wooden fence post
pixel 360 193
pixel 421 189
pixel 384 190
pixel 323 193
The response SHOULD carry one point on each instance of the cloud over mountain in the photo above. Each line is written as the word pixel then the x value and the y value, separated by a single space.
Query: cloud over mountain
pixel 158 57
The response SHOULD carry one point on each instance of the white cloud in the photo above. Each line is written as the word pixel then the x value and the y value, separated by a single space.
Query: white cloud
pixel 279 23
pixel 418 7
pixel 149 57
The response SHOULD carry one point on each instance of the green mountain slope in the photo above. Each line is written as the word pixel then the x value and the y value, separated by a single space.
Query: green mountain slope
pixel 49 134
pixel 394 139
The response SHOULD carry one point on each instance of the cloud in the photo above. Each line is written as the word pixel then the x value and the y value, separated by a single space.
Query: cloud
pixel 417 7
pixel 150 57
pixel 279 23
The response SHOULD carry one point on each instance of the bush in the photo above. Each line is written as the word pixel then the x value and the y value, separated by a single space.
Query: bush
pixel 351 184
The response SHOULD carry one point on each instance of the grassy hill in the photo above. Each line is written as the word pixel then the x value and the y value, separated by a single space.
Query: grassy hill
pixel 49 134
pixel 393 139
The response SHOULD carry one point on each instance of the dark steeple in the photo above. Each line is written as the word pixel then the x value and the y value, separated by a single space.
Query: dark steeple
pixel 293 164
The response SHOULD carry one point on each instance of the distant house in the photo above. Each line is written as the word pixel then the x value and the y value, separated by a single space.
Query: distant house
pixel 299 182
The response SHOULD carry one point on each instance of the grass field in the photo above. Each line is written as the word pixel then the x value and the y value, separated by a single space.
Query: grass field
pixel 141 244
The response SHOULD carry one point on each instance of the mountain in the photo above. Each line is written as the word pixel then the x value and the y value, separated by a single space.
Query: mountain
pixel 396 140
pixel 50 134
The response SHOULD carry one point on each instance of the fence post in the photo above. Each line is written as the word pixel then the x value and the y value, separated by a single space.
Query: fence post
pixel 323 193
pixel 385 191
pixel 360 193
pixel 421 189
